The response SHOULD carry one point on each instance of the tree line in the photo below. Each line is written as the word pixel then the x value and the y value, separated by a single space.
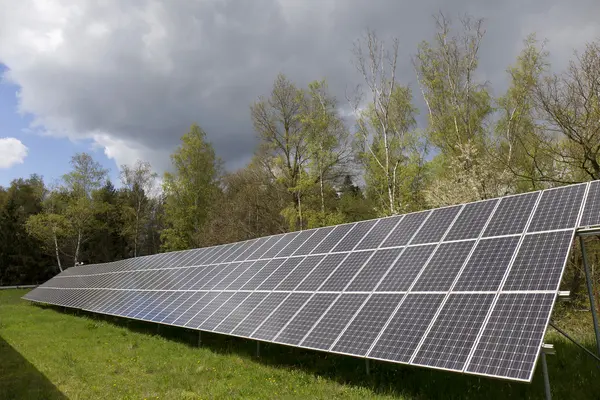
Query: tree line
pixel 314 166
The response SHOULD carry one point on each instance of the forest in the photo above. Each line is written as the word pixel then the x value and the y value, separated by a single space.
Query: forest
pixel 314 166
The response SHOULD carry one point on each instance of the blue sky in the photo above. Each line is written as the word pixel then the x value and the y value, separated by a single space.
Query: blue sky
pixel 47 156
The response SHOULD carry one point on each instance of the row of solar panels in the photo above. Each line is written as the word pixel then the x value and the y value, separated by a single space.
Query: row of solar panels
pixel 430 288
pixel 387 270
pixel 327 321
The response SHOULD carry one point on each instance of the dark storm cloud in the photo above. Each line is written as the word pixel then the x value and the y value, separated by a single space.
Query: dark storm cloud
pixel 134 75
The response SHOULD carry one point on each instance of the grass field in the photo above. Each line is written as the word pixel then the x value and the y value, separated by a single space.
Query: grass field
pixel 47 353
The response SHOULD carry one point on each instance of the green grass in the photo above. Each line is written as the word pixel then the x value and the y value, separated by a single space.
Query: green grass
pixel 46 353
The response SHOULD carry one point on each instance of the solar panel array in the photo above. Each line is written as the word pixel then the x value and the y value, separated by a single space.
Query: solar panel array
pixel 466 288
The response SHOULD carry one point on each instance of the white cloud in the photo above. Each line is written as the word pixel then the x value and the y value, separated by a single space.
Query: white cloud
pixel 12 152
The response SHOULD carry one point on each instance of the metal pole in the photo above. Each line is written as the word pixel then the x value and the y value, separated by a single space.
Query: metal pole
pixel 199 338
pixel 367 366
pixel 595 357
pixel 588 278
pixel 546 377
pixel 257 349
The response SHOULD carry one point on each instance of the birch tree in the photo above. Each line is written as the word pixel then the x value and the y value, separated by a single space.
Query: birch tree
pixel 139 181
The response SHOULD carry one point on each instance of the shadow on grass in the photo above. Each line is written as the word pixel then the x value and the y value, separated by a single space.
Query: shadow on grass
pixel 573 374
pixel 19 379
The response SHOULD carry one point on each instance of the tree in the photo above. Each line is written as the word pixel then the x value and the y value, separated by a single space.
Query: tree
pixel 569 105
pixel 384 138
pixel 326 138
pixel 277 120
pixel 86 177
pixel 21 258
pixel 139 182
pixel 190 191
pixel 50 226
pixel 520 150
pixel 457 104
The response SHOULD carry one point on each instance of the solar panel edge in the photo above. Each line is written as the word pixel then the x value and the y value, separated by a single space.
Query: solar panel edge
pixel 507 272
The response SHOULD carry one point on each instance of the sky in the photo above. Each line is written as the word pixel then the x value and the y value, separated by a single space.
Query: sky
pixel 123 80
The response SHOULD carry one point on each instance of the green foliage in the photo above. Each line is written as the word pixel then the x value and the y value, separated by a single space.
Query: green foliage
pixel 190 191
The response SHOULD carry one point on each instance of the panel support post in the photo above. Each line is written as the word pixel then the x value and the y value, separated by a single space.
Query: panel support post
pixel 257 349
pixel 368 366
pixel 199 338
pixel 546 377
pixel 588 278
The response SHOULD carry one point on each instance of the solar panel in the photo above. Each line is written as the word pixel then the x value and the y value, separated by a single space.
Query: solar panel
pixel 513 335
pixel 364 328
pixel 443 267
pixel 466 288
pixel 591 213
pixel 298 327
pixel 488 264
pixel 453 333
pixel 405 329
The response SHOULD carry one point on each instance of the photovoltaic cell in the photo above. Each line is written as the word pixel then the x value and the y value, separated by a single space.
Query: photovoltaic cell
pixel 321 272
pixel 234 301
pixel 436 225
pixel 373 271
pixel 364 328
pixel 241 312
pixel 591 212
pixel 511 215
pixel 313 241
pixel 263 274
pixel 259 314
pixel 333 321
pixel 271 241
pixel 540 262
pixel 306 318
pixel 295 243
pixel 453 334
pixel 277 247
pixel 188 314
pixel 406 328
pixel 354 236
pixel 558 208
pixel 511 341
pixel 272 325
pixel 405 229
pixel 299 273
pixel 404 271
pixel 251 249
pixel 280 273
pixel 207 311
pixel 444 266
pixel 487 264
pixel 250 269
pixel 332 239
pixel 344 274
pixel 376 236
pixel 471 221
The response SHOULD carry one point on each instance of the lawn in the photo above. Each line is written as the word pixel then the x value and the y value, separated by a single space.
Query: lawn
pixel 49 353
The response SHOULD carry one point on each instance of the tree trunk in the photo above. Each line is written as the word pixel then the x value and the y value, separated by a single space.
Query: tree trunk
pixel 56 252
pixel 76 258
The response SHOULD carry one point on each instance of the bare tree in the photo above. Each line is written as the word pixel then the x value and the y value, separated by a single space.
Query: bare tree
pixel 569 104
pixel 377 65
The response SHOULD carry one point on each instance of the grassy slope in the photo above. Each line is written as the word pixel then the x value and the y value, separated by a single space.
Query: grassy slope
pixel 46 353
